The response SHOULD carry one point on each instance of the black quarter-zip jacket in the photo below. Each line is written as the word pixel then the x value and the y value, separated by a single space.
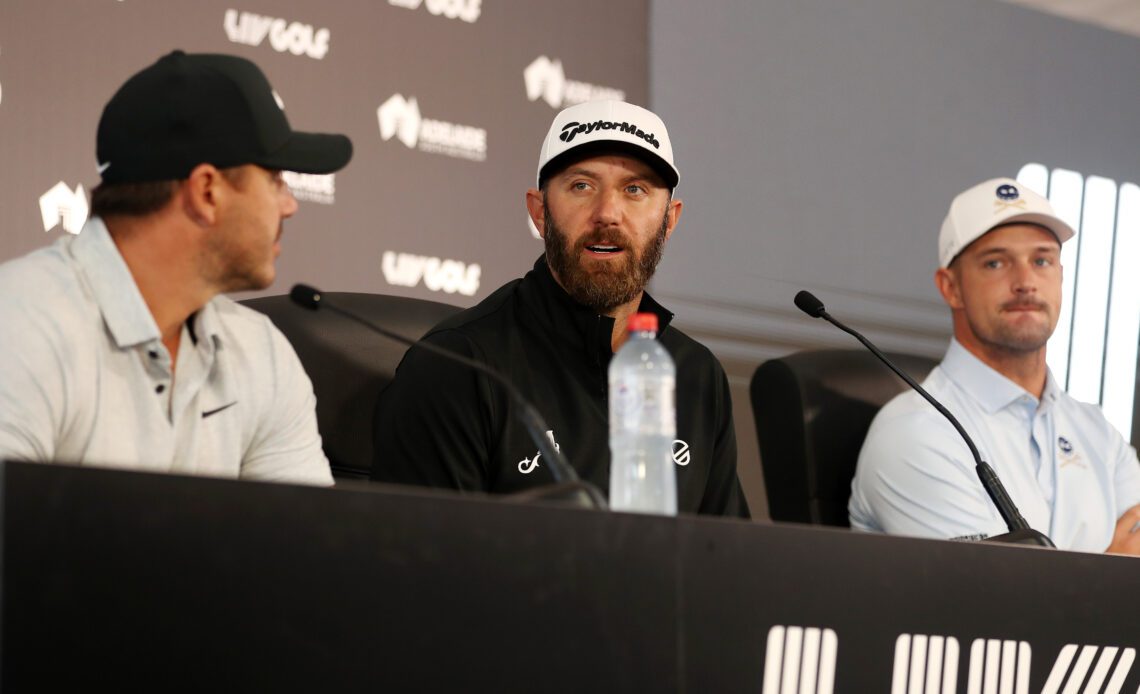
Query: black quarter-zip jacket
pixel 442 424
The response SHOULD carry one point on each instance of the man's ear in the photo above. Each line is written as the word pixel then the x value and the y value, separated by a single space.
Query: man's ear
pixel 536 208
pixel 672 216
pixel 949 286
pixel 202 193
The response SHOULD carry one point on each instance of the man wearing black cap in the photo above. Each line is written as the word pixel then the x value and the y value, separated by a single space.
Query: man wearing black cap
pixel 118 348
pixel 605 209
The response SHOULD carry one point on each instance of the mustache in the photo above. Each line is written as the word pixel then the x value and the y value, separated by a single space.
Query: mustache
pixel 1023 304
pixel 601 235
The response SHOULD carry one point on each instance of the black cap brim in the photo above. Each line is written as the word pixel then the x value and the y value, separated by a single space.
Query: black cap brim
pixel 312 153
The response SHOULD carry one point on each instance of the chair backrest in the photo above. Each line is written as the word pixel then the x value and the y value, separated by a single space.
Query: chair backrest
pixel 812 413
pixel 349 364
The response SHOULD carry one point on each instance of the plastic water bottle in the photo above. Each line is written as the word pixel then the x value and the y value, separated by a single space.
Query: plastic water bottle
pixel 643 422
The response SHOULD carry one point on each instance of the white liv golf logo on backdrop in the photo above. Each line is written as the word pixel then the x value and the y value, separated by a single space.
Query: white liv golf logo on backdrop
pixel 546 79
pixel 62 206
pixel 284 36
pixel 448 276
pixel 467 10
pixel 401 118
pixel 318 188
pixel 1092 353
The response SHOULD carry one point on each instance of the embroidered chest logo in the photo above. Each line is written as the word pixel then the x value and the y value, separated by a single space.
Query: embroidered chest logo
pixel 1068 454
pixel 681 454
pixel 527 465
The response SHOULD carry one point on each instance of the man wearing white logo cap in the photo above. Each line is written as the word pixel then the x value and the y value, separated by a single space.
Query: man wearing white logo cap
pixel 604 206
pixel 1071 474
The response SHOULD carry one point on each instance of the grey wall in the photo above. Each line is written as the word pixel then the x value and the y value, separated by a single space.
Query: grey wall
pixel 820 143
pixel 463 61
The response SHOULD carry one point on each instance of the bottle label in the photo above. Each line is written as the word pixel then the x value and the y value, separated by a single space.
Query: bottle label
pixel 646 408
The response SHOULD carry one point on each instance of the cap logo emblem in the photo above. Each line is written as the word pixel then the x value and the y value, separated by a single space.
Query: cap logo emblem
pixel 573 128
pixel 1008 196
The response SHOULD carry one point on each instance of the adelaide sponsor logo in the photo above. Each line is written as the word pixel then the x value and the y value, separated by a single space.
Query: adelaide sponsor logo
pixel 316 188
pixel 449 276
pixel 284 36
pixel 546 79
pixel 401 118
pixel 466 10
pixel 63 206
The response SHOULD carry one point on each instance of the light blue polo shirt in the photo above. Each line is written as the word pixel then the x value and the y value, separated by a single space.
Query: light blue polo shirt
pixel 1070 473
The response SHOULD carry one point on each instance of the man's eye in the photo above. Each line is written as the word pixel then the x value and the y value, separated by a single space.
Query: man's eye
pixel 1044 262
pixel 635 189
pixel 992 264
pixel 580 185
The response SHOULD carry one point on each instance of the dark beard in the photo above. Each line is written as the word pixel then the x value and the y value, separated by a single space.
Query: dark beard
pixel 601 290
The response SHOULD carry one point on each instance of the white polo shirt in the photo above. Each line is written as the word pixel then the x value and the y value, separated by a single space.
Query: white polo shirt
pixel 1070 473
pixel 85 378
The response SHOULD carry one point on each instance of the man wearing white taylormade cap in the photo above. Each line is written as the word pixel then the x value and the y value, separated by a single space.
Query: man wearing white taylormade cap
pixel 605 209
pixel 1071 474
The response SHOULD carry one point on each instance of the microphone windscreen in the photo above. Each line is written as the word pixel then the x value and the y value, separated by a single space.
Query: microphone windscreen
pixel 306 296
pixel 806 302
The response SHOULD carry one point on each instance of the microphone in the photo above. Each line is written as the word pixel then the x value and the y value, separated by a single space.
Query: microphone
pixel 567 487
pixel 1019 530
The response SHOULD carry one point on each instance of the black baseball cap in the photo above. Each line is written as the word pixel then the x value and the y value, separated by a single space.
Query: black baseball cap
pixel 191 109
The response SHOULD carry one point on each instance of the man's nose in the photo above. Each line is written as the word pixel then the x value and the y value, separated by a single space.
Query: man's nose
pixel 289 203
pixel 1024 278
pixel 608 207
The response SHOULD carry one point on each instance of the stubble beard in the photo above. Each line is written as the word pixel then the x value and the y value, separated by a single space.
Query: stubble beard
pixel 1014 340
pixel 234 268
pixel 611 284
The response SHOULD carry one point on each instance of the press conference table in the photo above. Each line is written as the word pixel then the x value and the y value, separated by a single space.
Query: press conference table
pixel 166 583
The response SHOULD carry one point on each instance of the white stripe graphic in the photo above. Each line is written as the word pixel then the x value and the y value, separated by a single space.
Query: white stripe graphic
pixel 1093 350
pixel 993 661
pixel 977 661
pixel 1060 667
pixel 1072 681
pixel 925 665
pixel 1121 672
pixel 772 659
pixel 1023 668
pixel 792 640
pixel 827 658
pixel 1084 660
pixel 1008 662
pixel 800 660
pixel 1123 314
pixel 999 667
pixel 1086 356
pixel 917 664
pixel 1100 671
pixel 933 664
pixel 902 658
pixel 950 668
pixel 810 661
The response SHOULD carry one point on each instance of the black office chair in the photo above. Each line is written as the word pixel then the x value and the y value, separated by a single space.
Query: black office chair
pixel 349 364
pixel 812 413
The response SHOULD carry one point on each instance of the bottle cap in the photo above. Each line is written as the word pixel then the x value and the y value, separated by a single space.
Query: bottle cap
pixel 643 322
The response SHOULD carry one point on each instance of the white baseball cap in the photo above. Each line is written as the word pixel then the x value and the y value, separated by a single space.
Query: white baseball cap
pixel 991 204
pixel 604 126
